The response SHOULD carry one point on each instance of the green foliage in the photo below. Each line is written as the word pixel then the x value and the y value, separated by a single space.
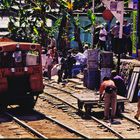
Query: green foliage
pixel 33 14
pixel 35 30
pixel 91 16
pixel 27 25
pixel 76 20
pixel 6 3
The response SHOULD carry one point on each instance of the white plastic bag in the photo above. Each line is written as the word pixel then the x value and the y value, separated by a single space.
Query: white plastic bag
pixel 55 69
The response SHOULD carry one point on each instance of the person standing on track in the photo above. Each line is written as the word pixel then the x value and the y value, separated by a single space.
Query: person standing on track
pixel 108 92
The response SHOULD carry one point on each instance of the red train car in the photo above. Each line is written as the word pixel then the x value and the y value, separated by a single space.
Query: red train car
pixel 20 74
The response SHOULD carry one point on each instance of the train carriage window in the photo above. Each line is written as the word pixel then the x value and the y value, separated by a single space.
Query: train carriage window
pixel 32 58
pixel 19 58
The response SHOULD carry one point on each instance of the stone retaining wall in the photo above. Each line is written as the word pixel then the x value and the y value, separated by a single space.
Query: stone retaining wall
pixel 126 67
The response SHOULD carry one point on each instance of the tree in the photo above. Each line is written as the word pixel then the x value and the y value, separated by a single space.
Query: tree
pixel 32 16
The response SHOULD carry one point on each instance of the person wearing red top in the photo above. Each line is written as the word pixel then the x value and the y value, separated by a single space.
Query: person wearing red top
pixel 109 93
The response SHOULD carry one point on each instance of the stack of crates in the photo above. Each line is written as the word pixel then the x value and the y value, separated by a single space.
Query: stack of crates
pixel 106 62
pixel 92 73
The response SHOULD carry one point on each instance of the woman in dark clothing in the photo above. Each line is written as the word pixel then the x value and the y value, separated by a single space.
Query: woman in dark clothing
pixel 70 62
pixel 63 67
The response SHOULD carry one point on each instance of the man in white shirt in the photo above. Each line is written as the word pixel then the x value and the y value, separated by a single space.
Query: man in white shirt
pixel 102 38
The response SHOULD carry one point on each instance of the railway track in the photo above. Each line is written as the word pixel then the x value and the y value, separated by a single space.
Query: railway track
pixel 69 116
pixel 39 125
pixel 10 128
pixel 122 128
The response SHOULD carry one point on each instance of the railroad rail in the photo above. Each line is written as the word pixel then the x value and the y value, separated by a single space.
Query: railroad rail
pixel 72 118
pixel 14 128
pixel 125 128
pixel 39 129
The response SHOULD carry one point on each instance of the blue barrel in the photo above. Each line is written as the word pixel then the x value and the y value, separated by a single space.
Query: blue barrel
pixel 93 79
pixel 85 77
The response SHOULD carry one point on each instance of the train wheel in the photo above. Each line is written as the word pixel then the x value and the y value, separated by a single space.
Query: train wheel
pixel 28 104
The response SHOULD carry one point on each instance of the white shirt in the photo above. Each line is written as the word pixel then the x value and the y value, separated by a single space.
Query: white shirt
pixel 103 31
pixel 85 53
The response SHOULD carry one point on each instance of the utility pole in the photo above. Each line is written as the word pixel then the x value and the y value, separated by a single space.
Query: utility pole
pixel 92 29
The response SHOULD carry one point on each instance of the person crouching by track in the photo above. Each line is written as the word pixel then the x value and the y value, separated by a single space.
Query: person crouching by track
pixel 108 91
